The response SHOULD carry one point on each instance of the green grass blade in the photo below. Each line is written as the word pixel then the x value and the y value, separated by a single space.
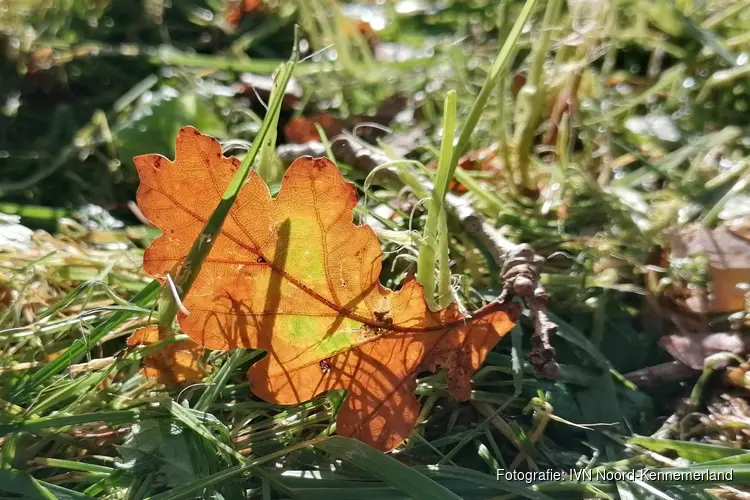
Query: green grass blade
pixel 207 483
pixel 21 483
pixel 386 468
pixel 110 417
pixel 428 249
pixel 23 391
pixel 499 67
pixel 695 452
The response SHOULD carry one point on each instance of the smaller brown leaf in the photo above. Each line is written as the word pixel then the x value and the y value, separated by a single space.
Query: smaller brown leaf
pixel 517 82
pixel 176 364
pixel 693 349
pixel 363 29
pixel 301 130
pixel 728 254
pixel 478 160
pixel 236 10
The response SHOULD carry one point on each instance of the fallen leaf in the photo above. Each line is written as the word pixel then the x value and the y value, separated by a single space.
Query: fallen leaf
pixel 177 364
pixel 728 254
pixel 369 127
pixel 517 82
pixel 692 349
pixel 293 275
pixel 364 29
pixel 236 10
pixel 300 130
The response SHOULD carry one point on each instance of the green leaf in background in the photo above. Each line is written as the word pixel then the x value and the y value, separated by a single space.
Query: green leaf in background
pixel 155 123
pixel 172 452
pixel 162 447
pixel 599 403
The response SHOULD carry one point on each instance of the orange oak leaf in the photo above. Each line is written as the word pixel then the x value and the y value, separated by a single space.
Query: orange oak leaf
pixel 177 364
pixel 293 275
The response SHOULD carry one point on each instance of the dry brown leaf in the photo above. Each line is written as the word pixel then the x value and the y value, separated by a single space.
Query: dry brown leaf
pixel 479 160
pixel 293 275
pixel 693 348
pixel 728 254
pixel 236 9
pixel 302 129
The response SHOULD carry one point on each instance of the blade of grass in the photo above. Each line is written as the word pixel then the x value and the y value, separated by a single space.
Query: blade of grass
pixel 22 483
pixel 190 419
pixel 428 249
pixel 709 220
pixel 499 67
pixel 24 390
pixel 575 337
pixel 110 417
pixel 695 452
pixel 444 296
pixel 479 479
pixel 531 95
pixel 385 468
pixel 190 489
pixel 219 381
pixel 72 465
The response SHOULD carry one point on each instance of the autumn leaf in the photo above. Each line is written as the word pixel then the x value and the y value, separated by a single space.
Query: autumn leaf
pixel 727 251
pixel 237 9
pixel 293 275
pixel 692 349
pixel 176 364
pixel 301 130
pixel 353 29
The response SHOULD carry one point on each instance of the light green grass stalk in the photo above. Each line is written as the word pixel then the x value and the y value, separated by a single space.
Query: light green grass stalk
pixel 531 96
pixel 449 155
pixel 444 295
pixel 498 70
pixel 429 248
